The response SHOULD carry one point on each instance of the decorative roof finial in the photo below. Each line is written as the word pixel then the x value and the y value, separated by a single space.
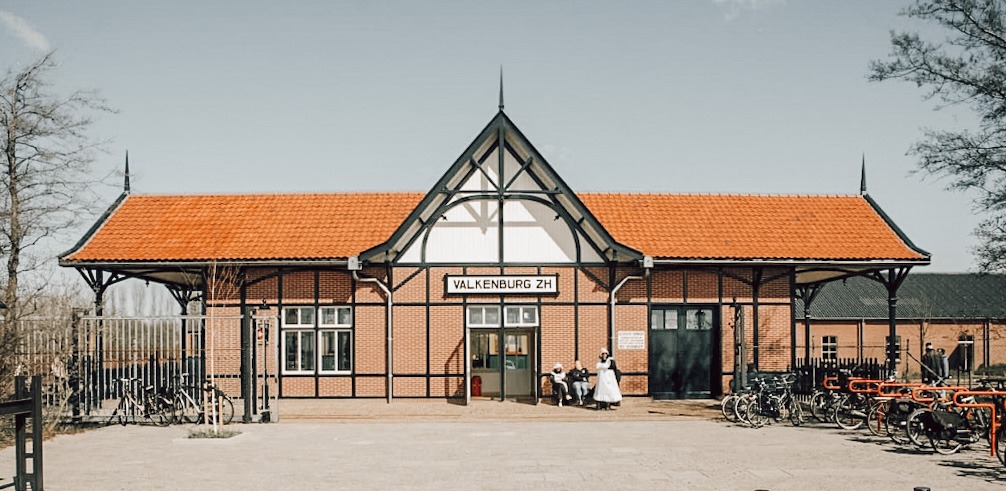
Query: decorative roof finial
pixel 125 183
pixel 862 178
pixel 501 87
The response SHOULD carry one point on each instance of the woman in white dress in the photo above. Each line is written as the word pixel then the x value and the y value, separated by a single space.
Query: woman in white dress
pixel 606 391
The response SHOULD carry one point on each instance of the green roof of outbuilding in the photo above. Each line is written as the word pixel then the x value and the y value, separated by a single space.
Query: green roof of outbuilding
pixel 921 296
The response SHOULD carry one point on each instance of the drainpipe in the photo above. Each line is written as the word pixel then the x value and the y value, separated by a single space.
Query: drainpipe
pixel 354 266
pixel 647 264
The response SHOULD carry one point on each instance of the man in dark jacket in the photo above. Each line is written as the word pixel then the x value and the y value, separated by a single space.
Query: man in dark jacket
pixel 932 366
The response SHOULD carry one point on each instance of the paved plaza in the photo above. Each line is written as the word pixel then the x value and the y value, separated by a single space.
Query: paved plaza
pixel 492 445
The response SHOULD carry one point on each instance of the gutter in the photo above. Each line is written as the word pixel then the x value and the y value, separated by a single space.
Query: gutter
pixel 647 264
pixel 354 266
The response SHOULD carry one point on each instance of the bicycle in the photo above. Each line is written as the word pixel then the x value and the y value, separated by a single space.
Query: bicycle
pixel 193 409
pixel 774 400
pixel 144 401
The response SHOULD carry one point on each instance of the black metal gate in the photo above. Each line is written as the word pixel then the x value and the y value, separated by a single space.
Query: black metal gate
pixel 681 351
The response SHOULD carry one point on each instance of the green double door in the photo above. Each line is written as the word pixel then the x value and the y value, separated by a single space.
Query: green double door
pixel 681 351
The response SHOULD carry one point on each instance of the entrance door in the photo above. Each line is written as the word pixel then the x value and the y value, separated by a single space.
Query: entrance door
pixel 518 363
pixel 681 349
pixel 503 349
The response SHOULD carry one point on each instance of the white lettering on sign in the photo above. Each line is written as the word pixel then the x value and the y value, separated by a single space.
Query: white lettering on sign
pixel 502 285
pixel 629 340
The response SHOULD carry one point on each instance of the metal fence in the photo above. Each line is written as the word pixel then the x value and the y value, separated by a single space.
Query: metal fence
pixel 86 362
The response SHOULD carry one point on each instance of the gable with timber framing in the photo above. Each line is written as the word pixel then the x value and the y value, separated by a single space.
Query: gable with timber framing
pixel 501 203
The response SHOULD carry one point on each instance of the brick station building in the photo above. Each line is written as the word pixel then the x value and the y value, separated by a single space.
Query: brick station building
pixel 476 287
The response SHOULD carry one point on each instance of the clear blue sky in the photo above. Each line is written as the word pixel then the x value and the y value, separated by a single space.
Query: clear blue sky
pixel 707 96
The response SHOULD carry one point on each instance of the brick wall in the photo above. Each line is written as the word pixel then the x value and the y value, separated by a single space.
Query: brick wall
pixel 579 312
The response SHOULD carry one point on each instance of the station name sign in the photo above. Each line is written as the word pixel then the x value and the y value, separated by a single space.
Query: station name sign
pixel 501 285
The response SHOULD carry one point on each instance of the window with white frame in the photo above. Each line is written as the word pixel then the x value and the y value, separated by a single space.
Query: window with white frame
pixel 298 317
pixel 298 351
pixel 335 351
pixel 321 342
pixel 483 316
pixel 335 317
pixel 521 316
pixel 829 348
pixel 515 316
pixel 335 345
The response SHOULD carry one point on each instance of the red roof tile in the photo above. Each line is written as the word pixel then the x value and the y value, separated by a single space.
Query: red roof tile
pixel 692 226
pixel 332 226
pixel 253 227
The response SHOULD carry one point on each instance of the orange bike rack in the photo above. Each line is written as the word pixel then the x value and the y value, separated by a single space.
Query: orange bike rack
pixel 917 392
pixel 826 386
pixel 988 405
pixel 871 385
pixel 882 392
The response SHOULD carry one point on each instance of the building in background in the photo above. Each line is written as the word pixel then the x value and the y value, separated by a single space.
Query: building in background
pixel 965 314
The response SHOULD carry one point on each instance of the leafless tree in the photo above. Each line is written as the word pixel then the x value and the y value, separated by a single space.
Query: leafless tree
pixel 46 183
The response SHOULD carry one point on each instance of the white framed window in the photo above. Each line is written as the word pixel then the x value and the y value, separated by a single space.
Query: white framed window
pixel 483 316
pixel 298 317
pixel 335 316
pixel 521 316
pixel 335 350
pixel 829 347
pixel 298 350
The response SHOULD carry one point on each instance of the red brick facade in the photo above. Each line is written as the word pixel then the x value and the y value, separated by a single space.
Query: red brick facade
pixel 429 333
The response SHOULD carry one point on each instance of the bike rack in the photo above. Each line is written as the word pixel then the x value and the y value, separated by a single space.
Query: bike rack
pixel 896 385
pixel 989 405
pixel 824 383
pixel 871 385
pixel 918 391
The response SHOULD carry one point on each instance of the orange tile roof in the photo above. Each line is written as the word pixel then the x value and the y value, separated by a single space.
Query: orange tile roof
pixel 148 228
pixel 693 226
pixel 246 227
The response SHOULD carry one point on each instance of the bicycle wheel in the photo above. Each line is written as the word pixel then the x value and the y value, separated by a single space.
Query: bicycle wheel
pixel 756 415
pixel 876 417
pixel 948 446
pixel 160 410
pixel 741 408
pixel 914 429
pixel 225 408
pixel 727 407
pixel 819 407
pixel 847 415
pixel 795 412
pixel 895 425
pixel 187 408
pixel 119 415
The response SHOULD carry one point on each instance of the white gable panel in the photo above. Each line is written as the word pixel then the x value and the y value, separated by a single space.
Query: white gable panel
pixel 478 181
pixel 532 233
pixel 524 181
pixel 587 253
pixel 469 244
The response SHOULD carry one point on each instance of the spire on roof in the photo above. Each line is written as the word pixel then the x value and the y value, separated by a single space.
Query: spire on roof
pixel 501 87
pixel 862 178
pixel 125 183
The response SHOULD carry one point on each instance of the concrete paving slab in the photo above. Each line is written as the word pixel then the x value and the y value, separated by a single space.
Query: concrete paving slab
pixel 414 450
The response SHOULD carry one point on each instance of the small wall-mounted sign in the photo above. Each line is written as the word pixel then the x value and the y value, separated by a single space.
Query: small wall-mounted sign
pixel 501 285
pixel 628 340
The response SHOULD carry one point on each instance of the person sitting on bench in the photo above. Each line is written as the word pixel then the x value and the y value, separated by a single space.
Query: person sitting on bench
pixel 560 390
